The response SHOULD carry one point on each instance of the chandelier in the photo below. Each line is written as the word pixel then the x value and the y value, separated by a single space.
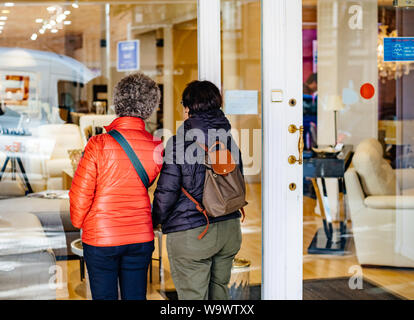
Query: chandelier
pixel 390 70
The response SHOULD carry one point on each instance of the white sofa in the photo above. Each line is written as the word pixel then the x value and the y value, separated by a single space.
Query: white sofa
pixel 67 137
pixel 27 264
pixel 381 203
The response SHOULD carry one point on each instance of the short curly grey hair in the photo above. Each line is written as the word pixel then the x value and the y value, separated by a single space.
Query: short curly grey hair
pixel 136 95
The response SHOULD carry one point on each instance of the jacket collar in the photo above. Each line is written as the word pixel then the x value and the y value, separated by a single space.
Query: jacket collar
pixel 131 123
pixel 214 119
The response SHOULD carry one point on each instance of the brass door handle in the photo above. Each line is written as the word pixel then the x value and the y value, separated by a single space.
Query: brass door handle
pixel 301 145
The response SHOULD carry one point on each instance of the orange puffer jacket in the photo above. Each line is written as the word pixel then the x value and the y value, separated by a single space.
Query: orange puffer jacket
pixel 108 199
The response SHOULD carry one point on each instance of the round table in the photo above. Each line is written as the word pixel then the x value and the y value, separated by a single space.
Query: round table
pixel 77 248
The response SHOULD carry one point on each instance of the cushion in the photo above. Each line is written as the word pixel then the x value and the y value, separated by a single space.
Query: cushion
pixel 67 136
pixel 377 175
pixel 372 142
pixel 55 167
pixel 21 233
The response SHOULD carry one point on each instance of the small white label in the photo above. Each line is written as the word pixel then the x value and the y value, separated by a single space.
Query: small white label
pixel 277 96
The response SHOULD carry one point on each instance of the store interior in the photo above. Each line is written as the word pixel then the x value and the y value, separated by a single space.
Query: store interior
pixel 59 63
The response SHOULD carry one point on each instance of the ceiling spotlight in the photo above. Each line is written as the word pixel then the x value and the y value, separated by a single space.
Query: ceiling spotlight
pixel 52 22
pixel 39 20
pixel 3 18
pixel 34 36
pixel 2 23
pixel 54 30
pixel 60 18
pixel 1 27
pixel 75 5
pixel 9 4
pixel 51 9
pixel 67 22
pixel 5 11
pixel 67 12
pixel 47 26
pixel 42 31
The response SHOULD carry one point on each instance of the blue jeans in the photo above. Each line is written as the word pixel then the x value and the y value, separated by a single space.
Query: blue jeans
pixel 127 263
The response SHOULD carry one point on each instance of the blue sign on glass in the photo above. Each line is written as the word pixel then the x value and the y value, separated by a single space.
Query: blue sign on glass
pixel 128 56
pixel 399 49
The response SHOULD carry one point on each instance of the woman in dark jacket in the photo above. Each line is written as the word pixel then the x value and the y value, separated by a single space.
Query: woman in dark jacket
pixel 200 269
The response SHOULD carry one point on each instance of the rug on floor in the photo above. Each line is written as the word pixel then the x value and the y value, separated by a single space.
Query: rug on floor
pixel 324 289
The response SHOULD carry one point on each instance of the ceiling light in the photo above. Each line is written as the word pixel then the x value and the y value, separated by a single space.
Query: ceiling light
pixel 54 30
pixel 51 9
pixel 2 23
pixel 5 11
pixel 67 12
pixel 52 22
pixel 34 36
pixel 3 18
pixel 60 18
pixel 39 20
pixel 75 5
pixel 1 27
pixel 42 31
pixel 67 22
pixel 9 4
pixel 48 26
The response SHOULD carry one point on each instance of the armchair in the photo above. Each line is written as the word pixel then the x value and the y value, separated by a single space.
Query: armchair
pixel 381 205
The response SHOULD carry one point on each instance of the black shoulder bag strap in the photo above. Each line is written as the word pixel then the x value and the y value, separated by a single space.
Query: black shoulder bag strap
pixel 139 168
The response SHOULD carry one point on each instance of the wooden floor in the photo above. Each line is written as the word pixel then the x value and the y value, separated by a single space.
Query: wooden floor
pixel 399 281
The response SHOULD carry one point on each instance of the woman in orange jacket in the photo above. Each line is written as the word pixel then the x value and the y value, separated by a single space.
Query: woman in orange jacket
pixel 109 201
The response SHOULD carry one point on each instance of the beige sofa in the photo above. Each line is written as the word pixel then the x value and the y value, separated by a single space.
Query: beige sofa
pixel 67 137
pixel 27 264
pixel 381 202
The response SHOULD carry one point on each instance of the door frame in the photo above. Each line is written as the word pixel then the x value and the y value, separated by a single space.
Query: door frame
pixel 282 209
pixel 282 216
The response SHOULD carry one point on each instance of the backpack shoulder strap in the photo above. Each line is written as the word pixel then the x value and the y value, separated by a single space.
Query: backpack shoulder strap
pixel 200 209
pixel 139 168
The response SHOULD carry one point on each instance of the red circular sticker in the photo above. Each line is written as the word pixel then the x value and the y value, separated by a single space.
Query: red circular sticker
pixel 367 91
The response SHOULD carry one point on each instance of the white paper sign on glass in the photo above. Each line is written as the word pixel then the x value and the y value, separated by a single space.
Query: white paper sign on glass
pixel 241 101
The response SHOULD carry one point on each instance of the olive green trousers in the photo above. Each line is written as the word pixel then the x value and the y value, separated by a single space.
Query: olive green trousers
pixel 201 269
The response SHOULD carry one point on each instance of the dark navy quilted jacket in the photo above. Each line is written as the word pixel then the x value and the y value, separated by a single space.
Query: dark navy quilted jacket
pixel 171 208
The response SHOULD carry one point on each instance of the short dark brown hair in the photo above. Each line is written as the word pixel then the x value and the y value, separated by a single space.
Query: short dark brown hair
pixel 201 96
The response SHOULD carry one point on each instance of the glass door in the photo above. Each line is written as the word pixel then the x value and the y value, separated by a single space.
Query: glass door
pixel 358 74
pixel 59 61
